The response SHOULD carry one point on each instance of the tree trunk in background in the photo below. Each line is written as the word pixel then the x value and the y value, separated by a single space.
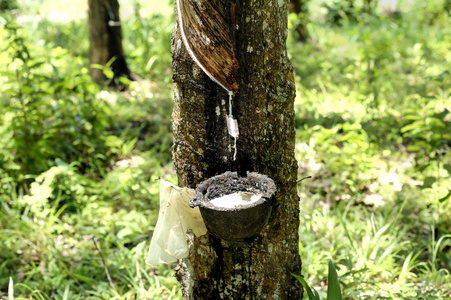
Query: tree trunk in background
pixel 299 8
pixel 296 6
pixel 105 41
pixel 264 108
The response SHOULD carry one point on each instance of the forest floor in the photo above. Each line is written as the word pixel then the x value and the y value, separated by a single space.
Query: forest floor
pixel 79 165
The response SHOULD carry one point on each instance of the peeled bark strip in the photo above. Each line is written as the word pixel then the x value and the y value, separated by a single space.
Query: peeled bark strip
pixel 209 38
pixel 202 148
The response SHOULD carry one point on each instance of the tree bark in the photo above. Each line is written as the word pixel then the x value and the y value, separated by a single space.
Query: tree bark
pixel 105 41
pixel 264 108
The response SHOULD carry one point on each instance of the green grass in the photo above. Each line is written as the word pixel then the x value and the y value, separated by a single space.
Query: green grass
pixel 374 132
pixel 78 164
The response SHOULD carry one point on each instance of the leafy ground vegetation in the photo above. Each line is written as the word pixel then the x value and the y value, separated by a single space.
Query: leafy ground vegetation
pixel 79 165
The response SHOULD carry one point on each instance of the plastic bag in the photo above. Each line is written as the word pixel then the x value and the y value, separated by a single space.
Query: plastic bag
pixel 174 219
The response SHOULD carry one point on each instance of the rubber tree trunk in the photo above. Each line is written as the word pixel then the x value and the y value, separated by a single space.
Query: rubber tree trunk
pixel 105 41
pixel 264 107
pixel 299 8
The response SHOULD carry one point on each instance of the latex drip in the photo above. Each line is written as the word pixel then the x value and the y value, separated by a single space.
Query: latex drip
pixel 232 125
